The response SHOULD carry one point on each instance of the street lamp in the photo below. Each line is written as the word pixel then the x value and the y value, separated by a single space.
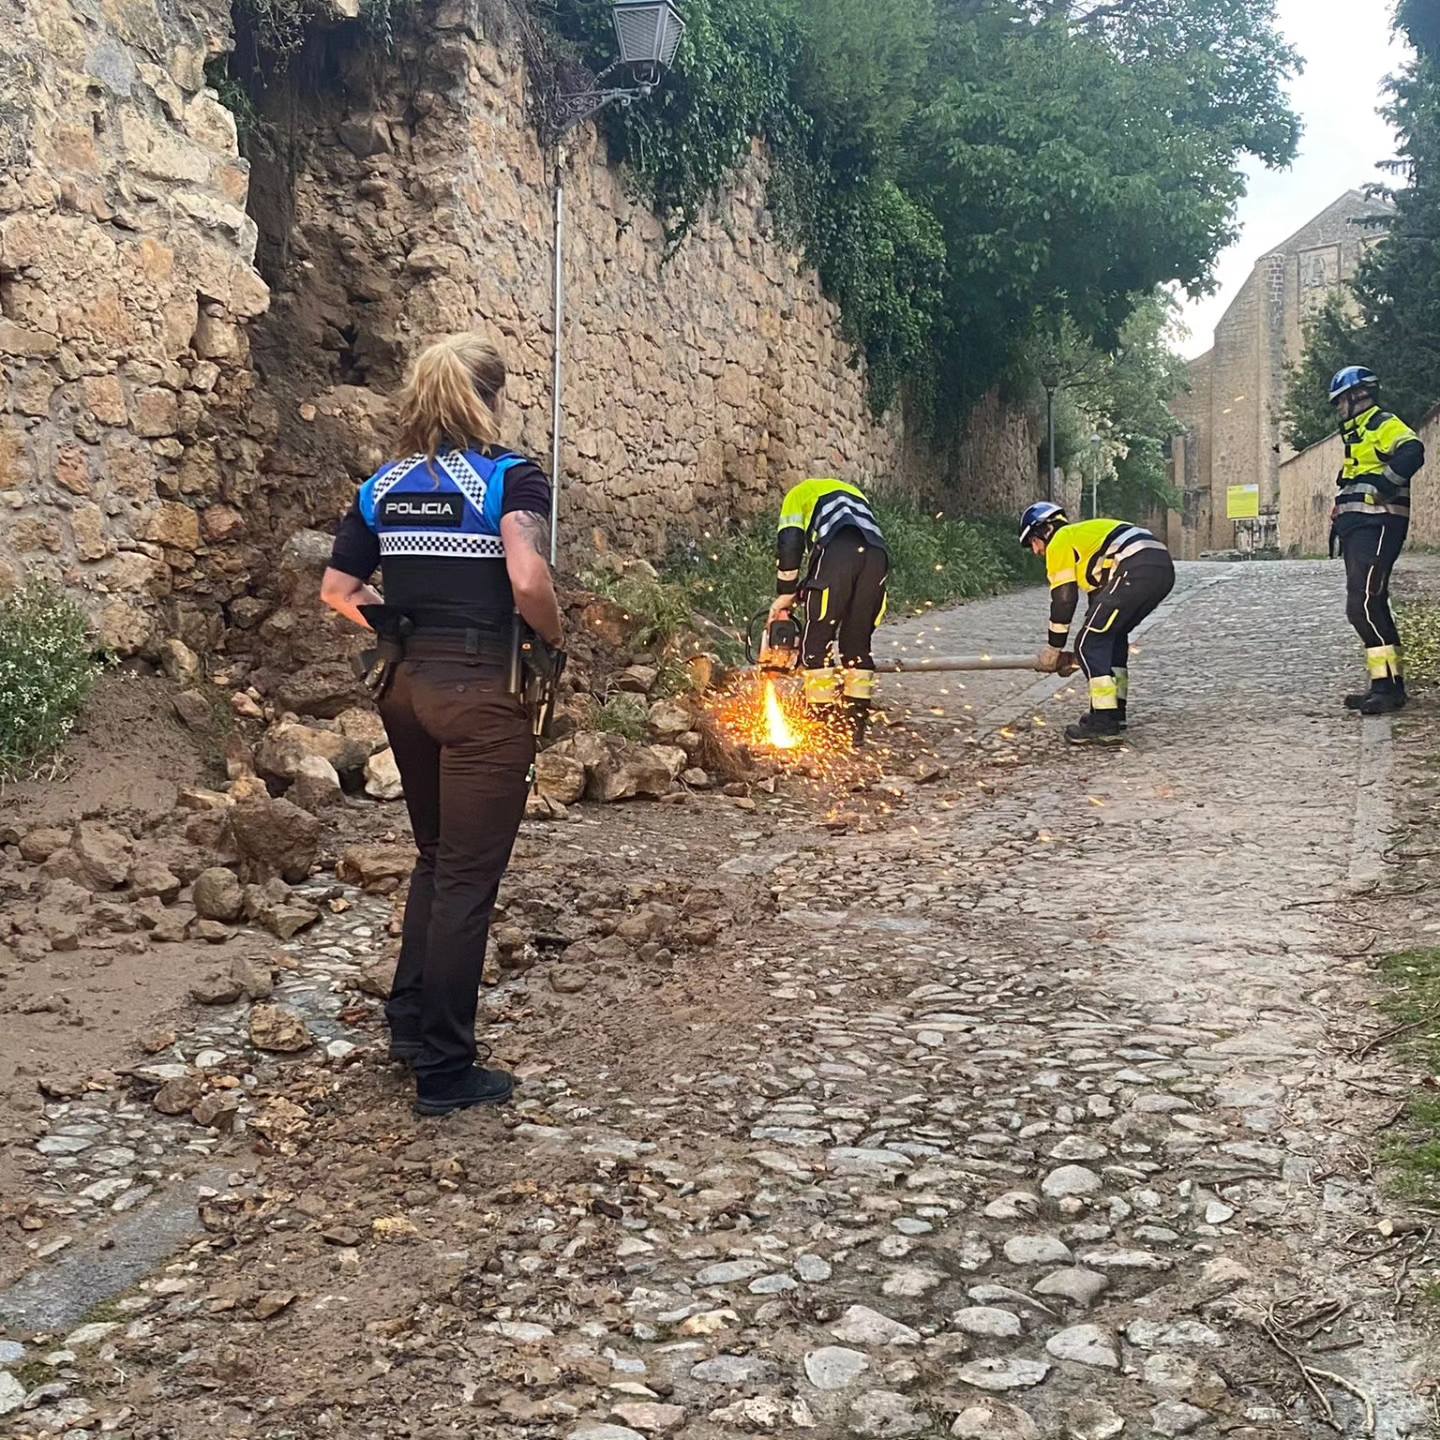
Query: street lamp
pixel 1051 381
pixel 1096 442
pixel 647 34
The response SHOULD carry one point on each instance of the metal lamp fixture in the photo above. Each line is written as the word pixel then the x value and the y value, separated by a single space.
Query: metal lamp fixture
pixel 647 31
pixel 648 34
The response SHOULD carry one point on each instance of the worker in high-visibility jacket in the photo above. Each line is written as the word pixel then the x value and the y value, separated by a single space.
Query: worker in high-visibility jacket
pixel 1369 524
pixel 832 564
pixel 1126 572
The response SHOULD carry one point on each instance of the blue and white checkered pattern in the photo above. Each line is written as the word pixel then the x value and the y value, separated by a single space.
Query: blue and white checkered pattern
pixel 478 479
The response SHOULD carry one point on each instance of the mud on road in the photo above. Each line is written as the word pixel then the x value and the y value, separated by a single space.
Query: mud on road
pixel 1023 1093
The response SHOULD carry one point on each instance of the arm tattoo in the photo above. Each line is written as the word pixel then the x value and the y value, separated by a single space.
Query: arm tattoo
pixel 536 530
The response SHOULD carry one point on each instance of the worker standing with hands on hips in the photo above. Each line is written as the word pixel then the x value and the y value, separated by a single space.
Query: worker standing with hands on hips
pixel 829 532
pixel 1369 524
pixel 1126 572
pixel 458 529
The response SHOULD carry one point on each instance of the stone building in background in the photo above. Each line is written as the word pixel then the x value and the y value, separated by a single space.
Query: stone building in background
pixel 1232 435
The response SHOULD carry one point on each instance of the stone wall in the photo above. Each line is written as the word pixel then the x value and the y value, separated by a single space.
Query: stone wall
pixel 197 350
pixel 1307 491
pixel 125 275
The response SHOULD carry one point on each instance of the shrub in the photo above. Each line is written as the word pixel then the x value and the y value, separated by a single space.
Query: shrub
pixel 47 669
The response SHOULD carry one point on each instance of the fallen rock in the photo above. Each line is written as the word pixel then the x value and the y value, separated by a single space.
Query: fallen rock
pixel 170 926
pixel 194 710
pixel 176 1097
pixel 216 1110
pixel 272 1302
pixel 216 990
pixel 150 877
pixel 254 977
pixel 668 720
pixel 364 727
pixel 376 979
pixel 375 868
pixel 274 837
pixel 651 1419
pixel 316 785
pixel 288 745
pixel 382 777
pixel 103 855
pixel 559 777
pixel 324 689
pixel 217 894
pixel 179 662
pixel 278 1028
pixel 275 909
pixel 40 844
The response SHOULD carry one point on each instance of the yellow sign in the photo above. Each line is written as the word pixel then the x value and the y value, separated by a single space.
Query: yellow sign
pixel 1242 502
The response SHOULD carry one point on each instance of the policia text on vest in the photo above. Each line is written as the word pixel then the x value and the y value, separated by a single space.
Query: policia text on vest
pixel 466 631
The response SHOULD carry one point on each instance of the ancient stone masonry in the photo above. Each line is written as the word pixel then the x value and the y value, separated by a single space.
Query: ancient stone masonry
pixel 125 286
pixel 167 428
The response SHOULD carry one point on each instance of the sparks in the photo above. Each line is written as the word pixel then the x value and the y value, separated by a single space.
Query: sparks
pixel 779 732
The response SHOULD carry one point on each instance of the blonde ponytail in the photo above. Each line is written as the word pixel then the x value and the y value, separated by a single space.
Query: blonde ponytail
pixel 451 397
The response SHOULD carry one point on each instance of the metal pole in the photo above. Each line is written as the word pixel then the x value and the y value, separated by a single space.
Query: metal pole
pixel 1050 442
pixel 556 380
pixel 1095 485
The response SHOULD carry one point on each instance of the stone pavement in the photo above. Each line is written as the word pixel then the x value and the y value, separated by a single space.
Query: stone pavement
pixel 1045 1120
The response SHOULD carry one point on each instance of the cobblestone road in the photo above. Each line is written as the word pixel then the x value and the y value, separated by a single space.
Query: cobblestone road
pixel 1041 1111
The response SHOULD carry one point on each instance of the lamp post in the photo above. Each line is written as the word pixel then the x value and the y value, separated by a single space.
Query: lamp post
pixel 1051 381
pixel 1096 442
pixel 647 34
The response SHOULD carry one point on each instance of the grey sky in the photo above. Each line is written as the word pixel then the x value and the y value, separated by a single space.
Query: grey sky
pixel 1349 50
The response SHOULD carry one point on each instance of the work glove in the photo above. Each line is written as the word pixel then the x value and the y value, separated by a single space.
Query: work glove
pixel 1048 660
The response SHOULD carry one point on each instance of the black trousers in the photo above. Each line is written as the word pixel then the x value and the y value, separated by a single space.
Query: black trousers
pixel 844 595
pixel 1371 549
pixel 464 747
pixel 1131 594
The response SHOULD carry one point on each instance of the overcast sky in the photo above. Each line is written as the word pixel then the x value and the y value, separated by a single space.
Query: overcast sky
pixel 1349 50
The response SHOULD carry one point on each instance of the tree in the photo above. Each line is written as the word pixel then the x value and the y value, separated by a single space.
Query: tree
pixel 1397 289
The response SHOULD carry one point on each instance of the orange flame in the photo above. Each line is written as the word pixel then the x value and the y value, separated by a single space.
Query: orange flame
pixel 779 732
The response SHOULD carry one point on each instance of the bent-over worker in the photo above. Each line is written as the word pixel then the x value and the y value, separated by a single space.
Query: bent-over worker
pixel 458 530
pixel 829 533
pixel 1126 572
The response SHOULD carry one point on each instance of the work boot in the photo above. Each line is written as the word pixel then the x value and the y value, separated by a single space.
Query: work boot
pixel 857 715
pixel 1359 698
pixel 1385 698
pixel 472 1087
pixel 1096 727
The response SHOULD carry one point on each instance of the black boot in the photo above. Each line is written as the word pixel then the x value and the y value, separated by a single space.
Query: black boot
pixel 472 1087
pixel 1358 699
pixel 857 714
pixel 1385 698
pixel 1097 727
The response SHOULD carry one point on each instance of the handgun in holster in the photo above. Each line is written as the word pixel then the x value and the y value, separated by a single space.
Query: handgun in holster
pixel 535 671
pixel 392 628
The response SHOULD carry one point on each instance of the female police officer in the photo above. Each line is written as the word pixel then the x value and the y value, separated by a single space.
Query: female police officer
pixel 458 530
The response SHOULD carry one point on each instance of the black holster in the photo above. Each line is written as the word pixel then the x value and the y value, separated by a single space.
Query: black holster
pixel 392 628
pixel 535 671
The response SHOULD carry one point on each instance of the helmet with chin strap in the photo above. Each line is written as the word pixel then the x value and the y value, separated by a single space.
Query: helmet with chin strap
pixel 1041 519
pixel 1352 378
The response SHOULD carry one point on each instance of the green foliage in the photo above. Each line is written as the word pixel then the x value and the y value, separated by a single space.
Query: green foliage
pixel 46 673
pixel 624 715
pixel 1414 1002
pixel 660 611
pixel 935 560
pixel 955 169
pixel 1420 629
pixel 1397 290
pixel 1334 338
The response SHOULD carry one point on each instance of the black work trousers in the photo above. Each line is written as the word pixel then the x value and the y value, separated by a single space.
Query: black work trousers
pixel 464 747
pixel 1133 591
pixel 1371 549
pixel 844 597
